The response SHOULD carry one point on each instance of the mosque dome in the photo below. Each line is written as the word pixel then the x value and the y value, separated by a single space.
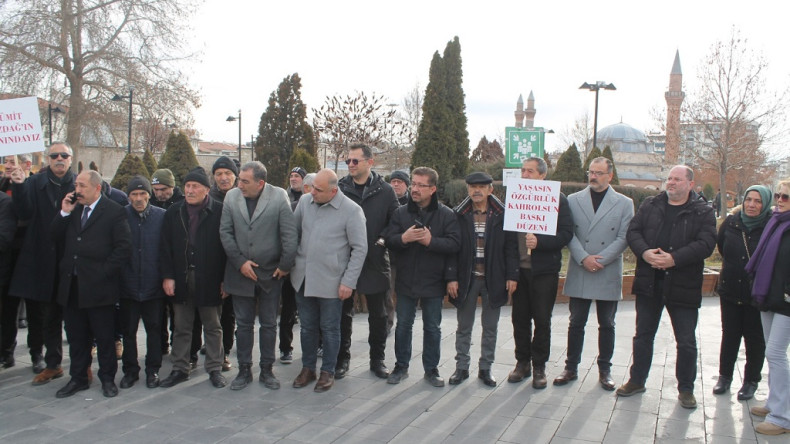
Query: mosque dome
pixel 624 138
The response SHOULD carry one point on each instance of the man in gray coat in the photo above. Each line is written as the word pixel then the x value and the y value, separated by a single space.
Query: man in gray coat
pixel 332 249
pixel 595 267
pixel 258 233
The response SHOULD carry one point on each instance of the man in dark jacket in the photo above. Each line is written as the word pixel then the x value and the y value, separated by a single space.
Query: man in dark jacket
pixel 38 201
pixel 423 235
pixel 487 266
pixel 295 182
pixel 540 260
pixel 368 190
pixel 141 286
pixel 399 180
pixel 193 267
pixel 671 235
pixel 166 193
pixel 96 245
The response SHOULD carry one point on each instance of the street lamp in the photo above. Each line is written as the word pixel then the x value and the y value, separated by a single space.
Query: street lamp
pixel 117 98
pixel 596 87
pixel 55 110
pixel 233 119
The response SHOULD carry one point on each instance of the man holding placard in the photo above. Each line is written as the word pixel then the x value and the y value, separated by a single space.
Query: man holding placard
pixel 533 207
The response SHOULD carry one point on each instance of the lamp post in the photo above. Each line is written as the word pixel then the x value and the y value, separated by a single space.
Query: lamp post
pixel 596 87
pixel 233 119
pixel 55 110
pixel 118 98
pixel 252 146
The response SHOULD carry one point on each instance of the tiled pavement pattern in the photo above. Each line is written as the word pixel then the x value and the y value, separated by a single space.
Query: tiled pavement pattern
pixel 362 408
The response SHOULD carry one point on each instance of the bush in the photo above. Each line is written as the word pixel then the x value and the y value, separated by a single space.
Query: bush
pixel 130 166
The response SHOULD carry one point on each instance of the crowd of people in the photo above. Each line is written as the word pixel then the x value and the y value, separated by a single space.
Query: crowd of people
pixel 198 265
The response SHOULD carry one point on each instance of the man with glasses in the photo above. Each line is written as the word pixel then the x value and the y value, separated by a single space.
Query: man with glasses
pixel 38 200
pixel 423 235
pixel 671 235
pixel 540 260
pixel 377 199
pixel 595 267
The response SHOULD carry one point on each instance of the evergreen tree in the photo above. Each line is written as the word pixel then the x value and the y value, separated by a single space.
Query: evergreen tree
pixel 301 158
pixel 607 152
pixel 283 129
pixel 569 167
pixel 150 162
pixel 179 157
pixel 442 139
pixel 130 166
pixel 594 153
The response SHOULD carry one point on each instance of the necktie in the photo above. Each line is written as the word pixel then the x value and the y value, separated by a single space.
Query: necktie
pixel 85 214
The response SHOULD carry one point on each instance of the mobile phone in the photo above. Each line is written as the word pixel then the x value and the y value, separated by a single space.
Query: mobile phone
pixel 74 197
pixel 418 223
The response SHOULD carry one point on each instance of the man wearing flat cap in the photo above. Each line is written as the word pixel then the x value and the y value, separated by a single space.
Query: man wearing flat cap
pixel 486 267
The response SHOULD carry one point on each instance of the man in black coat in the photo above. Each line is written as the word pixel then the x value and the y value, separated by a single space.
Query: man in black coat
pixel 487 266
pixel 96 245
pixel 671 235
pixel 377 199
pixel 193 268
pixel 37 200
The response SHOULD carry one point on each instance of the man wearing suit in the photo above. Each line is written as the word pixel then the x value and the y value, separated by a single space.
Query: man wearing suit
pixel 259 235
pixel 595 268
pixel 96 245
pixel 332 248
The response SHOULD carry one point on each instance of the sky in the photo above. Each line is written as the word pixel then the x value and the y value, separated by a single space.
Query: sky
pixel 508 48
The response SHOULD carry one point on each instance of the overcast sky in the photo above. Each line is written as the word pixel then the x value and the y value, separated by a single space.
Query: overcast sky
pixel 508 48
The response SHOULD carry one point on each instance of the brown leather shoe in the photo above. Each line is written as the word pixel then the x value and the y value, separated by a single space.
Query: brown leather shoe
pixel 539 378
pixel 305 377
pixel 565 377
pixel 48 374
pixel 325 382
pixel 522 370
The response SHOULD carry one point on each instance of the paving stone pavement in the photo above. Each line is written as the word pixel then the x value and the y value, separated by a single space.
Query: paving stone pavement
pixel 362 408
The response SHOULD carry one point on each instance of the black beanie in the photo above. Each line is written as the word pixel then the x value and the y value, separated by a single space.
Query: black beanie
pixel 197 174
pixel 138 183
pixel 225 162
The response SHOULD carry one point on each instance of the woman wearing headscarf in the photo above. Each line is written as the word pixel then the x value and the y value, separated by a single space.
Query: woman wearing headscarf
pixel 770 267
pixel 737 240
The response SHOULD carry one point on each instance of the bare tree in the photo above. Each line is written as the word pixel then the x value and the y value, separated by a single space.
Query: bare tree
pixel 579 133
pixel 733 114
pixel 412 112
pixel 83 52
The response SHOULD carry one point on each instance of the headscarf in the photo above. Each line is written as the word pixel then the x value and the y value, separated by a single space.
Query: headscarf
pixel 765 195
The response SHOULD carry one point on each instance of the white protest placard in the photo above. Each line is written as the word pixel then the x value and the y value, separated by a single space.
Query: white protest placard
pixel 20 126
pixel 532 206
pixel 510 173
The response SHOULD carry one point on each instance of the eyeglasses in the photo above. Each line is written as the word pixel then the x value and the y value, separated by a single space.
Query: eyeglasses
pixel 597 173
pixel 420 185
pixel 354 161
pixel 54 156
pixel 781 197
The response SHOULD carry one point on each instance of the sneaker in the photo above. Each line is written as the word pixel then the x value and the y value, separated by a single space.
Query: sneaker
pixel 759 410
pixel 630 389
pixel 687 400
pixel 398 374
pixel 286 357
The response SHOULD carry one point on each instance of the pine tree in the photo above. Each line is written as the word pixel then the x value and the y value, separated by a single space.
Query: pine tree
pixel 459 150
pixel 607 152
pixel 301 158
pixel 569 167
pixel 179 157
pixel 594 153
pixel 150 162
pixel 130 166
pixel 283 129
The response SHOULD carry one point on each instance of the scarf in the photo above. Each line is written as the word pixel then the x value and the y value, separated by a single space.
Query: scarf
pixel 752 222
pixel 761 265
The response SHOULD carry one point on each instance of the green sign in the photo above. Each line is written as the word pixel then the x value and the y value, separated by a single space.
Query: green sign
pixel 522 144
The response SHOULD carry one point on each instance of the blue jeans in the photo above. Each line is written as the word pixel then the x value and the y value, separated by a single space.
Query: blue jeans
pixel 319 314
pixel 406 309
pixel 245 308
pixel 684 324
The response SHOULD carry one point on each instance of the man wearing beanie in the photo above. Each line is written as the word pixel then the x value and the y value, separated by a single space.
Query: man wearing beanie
pixel 166 193
pixel 295 189
pixel 193 266
pixel 141 286
pixel 225 174
pixel 399 180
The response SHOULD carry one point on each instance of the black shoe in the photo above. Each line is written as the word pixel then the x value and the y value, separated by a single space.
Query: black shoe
pixel 152 380
pixel 8 361
pixel 487 378
pixel 216 378
pixel 398 374
pixel 379 369
pixel 433 378
pixel 71 388
pixel 565 377
pixel 38 364
pixel 243 378
pixel 458 376
pixel 192 363
pixel 109 389
pixel 128 380
pixel 268 379
pixel 747 391
pixel 165 350
pixel 605 378
pixel 175 377
pixel 341 369
pixel 722 385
